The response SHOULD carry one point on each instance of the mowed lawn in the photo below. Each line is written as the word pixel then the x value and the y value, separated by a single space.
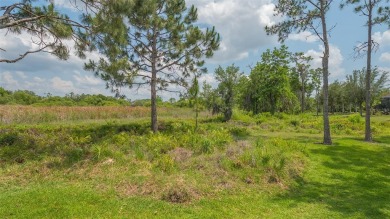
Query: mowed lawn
pixel 350 179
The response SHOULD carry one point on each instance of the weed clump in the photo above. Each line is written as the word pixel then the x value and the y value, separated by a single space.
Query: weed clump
pixel 8 139
pixel 280 161
pixel 177 194
pixel 355 118
pixel 239 132
pixel 295 122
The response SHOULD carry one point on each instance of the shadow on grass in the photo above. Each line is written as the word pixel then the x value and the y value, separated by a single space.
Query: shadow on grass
pixel 353 178
pixel 382 139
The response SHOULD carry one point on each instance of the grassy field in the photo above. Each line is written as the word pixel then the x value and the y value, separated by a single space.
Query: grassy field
pixel 86 162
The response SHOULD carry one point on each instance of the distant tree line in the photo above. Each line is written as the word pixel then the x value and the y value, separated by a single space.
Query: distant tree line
pixel 25 97
pixel 284 82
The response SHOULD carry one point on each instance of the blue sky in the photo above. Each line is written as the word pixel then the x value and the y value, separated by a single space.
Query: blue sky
pixel 241 25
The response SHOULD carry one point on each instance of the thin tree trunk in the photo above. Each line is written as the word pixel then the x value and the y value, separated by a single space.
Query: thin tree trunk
pixel 303 95
pixel 154 125
pixel 368 134
pixel 318 103
pixel 325 69
pixel 154 103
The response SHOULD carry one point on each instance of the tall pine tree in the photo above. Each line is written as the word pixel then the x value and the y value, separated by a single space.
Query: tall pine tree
pixel 302 15
pixel 377 12
pixel 150 42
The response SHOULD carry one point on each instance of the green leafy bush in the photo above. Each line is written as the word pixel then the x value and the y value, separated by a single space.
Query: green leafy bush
pixel 355 118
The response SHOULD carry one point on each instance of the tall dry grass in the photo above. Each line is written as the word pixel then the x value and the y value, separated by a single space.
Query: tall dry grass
pixel 31 114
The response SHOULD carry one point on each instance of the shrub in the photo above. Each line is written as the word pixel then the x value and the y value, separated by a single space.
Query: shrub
pixel 239 132
pixel 280 160
pixel 165 163
pixel 206 146
pixel 355 118
pixel 295 122
pixel 7 139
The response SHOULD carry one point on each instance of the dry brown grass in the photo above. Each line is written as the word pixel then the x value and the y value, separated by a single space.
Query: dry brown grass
pixel 31 114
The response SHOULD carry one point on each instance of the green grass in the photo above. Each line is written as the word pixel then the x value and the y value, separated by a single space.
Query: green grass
pixel 264 167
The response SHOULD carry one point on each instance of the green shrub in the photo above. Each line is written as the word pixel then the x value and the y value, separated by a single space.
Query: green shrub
pixel 295 122
pixel 239 132
pixel 75 155
pixel 206 146
pixel 7 139
pixel 280 160
pixel 355 118
pixel 165 163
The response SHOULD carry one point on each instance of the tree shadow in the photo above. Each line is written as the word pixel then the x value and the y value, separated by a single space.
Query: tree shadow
pixel 382 139
pixel 352 179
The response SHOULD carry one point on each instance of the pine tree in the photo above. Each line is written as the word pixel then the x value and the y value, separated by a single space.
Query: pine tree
pixel 150 42
pixel 377 12
pixel 302 15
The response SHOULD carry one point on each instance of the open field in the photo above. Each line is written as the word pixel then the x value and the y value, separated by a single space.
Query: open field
pixel 103 162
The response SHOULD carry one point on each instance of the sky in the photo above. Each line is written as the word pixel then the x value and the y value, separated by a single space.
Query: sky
pixel 241 26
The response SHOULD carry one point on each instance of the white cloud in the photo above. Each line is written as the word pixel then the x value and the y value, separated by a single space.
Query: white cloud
pixel 382 38
pixel 240 23
pixel 335 61
pixel 72 5
pixel 304 36
pixel 209 78
pixel 21 74
pixel 7 80
pixel 35 70
pixel 87 80
pixel 384 69
pixel 38 80
pixel 385 57
pixel 62 85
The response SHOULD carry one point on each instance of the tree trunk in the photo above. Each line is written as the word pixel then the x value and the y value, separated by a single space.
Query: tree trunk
pixel 325 69
pixel 368 134
pixel 361 109
pixel 318 103
pixel 154 103
pixel 154 125
pixel 273 106
pixel 303 96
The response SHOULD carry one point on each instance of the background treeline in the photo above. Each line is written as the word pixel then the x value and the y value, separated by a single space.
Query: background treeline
pixel 285 82
pixel 280 82
pixel 25 97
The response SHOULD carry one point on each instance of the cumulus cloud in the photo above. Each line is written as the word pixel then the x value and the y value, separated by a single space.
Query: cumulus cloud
pixel 62 85
pixel 87 80
pixel 38 80
pixel 21 74
pixel 30 73
pixel 209 79
pixel 304 36
pixel 385 57
pixel 383 38
pixel 7 80
pixel 335 61
pixel 240 23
